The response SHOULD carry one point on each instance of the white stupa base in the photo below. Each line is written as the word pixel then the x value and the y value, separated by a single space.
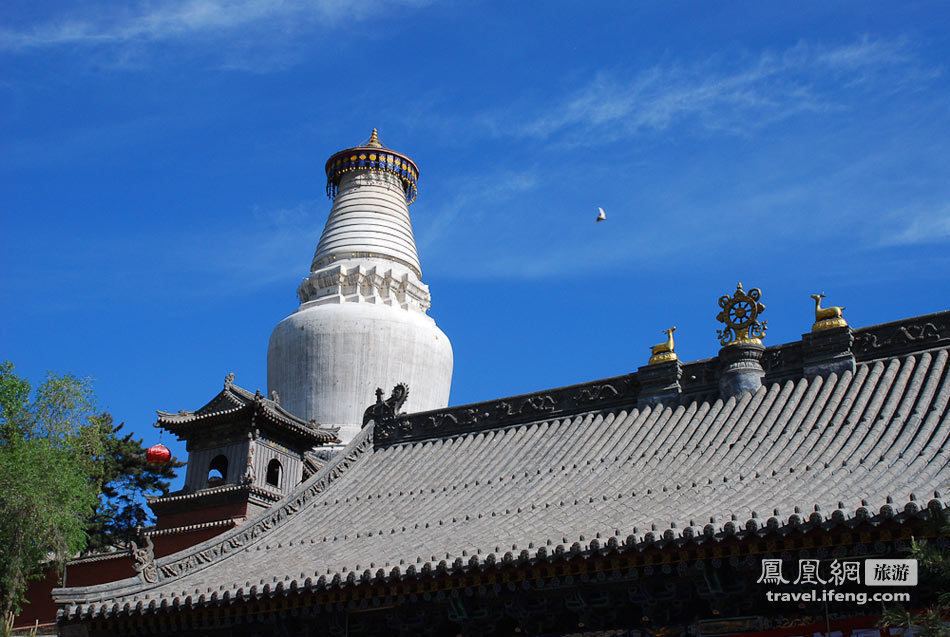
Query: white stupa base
pixel 325 361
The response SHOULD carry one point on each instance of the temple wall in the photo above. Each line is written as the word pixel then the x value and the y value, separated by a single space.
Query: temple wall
pixel 196 474
pixel 291 468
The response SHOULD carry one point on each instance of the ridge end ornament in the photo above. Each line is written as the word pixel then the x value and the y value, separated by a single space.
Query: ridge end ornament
pixel 144 557
pixel 387 410
pixel 827 318
pixel 740 314
pixel 663 352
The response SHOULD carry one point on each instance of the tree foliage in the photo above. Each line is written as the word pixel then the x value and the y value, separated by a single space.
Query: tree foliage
pixel 51 442
pixel 933 559
pixel 127 479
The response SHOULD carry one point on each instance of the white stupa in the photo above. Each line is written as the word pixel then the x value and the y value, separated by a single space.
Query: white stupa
pixel 362 319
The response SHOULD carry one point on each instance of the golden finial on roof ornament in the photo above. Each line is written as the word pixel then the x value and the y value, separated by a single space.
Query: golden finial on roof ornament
pixel 373 141
pixel 826 318
pixel 740 314
pixel 663 352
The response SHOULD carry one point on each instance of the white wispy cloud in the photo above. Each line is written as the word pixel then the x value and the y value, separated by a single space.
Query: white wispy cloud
pixel 921 226
pixel 862 54
pixel 715 94
pixel 471 200
pixel 182 19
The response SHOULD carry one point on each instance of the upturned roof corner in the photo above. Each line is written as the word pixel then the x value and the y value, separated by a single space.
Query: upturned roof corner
pixel 234 401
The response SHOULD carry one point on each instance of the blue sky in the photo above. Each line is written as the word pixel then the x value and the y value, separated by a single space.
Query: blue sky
pixel 163 186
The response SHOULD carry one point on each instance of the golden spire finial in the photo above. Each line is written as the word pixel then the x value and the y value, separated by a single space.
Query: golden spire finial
pixel 373 141
pixel 664 351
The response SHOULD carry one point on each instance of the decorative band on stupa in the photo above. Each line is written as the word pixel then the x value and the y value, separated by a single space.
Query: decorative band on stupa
pixel 372 155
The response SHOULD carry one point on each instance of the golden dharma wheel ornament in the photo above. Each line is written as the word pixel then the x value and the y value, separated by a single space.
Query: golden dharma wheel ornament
pixel 740 314
pixel 827 318
pixel 663 352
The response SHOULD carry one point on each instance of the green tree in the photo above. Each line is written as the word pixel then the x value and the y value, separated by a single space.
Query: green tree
pixel 933 561
pixel 127 478
pixel 51 443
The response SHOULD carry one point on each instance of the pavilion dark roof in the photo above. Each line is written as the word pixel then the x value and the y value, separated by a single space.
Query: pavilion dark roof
pixel 210 497
pixel 236 403
pixel 559 476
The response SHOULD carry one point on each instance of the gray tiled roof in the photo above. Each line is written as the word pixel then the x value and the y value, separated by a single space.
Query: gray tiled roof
pixel 869 445
pixel 234 400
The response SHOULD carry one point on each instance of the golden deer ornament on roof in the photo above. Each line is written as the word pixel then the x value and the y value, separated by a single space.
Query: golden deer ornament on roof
pixel 827 318
pixel 664 351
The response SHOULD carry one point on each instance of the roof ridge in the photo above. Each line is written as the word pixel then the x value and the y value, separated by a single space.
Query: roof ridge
pixel 222 546
pixel 698 381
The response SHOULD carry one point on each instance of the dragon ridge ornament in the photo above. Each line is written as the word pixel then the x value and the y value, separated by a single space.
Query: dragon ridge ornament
pixel 740 313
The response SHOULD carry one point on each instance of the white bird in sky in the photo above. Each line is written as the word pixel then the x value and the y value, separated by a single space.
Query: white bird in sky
pixel 601 216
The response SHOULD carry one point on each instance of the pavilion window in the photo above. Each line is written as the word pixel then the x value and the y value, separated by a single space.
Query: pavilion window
pixel 218 469
pixel 273 473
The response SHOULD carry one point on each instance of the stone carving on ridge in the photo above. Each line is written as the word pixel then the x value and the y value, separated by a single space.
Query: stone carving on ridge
pixel 144 557
pixel 384 413
pixel 783 362
pixel 698 377
pixel 895 337
pixel 438 421
pixel 538 404
pixel 508 411
pixel 595 393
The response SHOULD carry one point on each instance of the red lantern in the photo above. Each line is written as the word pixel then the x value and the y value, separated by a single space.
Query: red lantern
pixel 158 454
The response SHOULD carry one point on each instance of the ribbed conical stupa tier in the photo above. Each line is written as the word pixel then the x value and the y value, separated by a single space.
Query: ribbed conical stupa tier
pixel 362 320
